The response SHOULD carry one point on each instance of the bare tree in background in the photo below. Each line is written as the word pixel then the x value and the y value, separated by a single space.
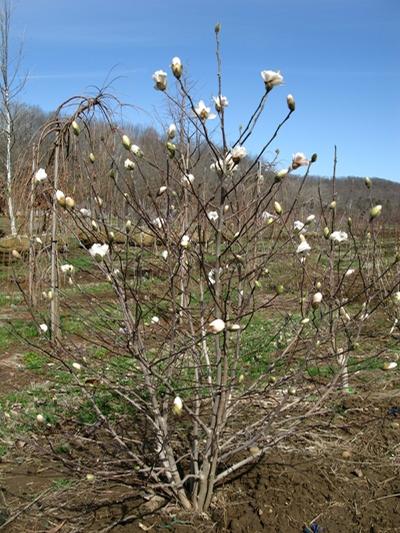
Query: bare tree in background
pixel 11 85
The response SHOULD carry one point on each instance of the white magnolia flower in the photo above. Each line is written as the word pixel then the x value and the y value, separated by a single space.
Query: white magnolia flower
pixel 164 254
pixel 220 102
pixel 99 250
pixel 396 297
pixel 238 153
pixel 344 314
pixel 38 240
pixel 129 164
pixel 160 80
pixel 266 216
pixel 60 197
pixel 159 222
pixel 389 365
pixel 176 67
pixel 212 215
pixel 310 219
pixel 187 179
pixel 299 226
pixel 271 78
pixel 396 321
pixel 211 277
pixel 40 419
pixel 185 241
pixel 85 212
pixel 136 150
pixel 162 190
pixel 317 298
pixel 203 112
pixel 171 131
pixel 67 268
pixel 43 328
pixel 77 366
pixel 223 165
pixel 303 247
pixel 178 406
pixel 298 160
pixel 155 320
pixel 349 272
pixel 40 175
pixel 234 327
pixel 216 326
pixel 338 236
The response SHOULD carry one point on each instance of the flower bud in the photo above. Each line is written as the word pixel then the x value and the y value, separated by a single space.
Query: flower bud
pixel 217 27
pixel 75 128
pixel 16 254
pixel 278 208
pixel 40 419
pixel 375 211
pixel 171 149
pixel 281 174
pixel 349 222
pixel 326 232
pixel 280 289
pixel 318 285
pixel 69 202
pixel 126 142
pixel 368 183
pixel 92 159
pixel 332 205
pixel 314 157
pixel 291 102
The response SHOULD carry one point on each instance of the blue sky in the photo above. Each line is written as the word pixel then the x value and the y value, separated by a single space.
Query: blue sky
pixel 339 58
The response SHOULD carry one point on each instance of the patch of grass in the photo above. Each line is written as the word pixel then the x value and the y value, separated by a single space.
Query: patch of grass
pixel 16 330
pixel 35 361
pixel 82 262
pixel 63 483
pixel 9 299
pixel 320 371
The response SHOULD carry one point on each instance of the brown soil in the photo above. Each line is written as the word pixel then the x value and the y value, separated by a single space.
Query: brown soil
pixel 342 477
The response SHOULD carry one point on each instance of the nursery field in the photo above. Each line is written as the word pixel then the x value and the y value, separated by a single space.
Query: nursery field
pixel 340 473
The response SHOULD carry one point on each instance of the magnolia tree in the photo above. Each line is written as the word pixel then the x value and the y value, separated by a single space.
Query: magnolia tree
pixel 191 250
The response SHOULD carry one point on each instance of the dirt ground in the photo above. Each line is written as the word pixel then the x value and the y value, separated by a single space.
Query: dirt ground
pixel 343 476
